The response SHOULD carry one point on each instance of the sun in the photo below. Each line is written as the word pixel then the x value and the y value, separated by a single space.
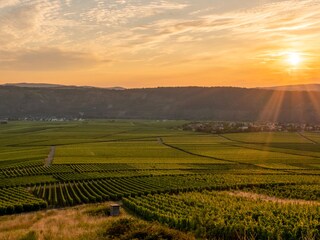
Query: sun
pixel 294 58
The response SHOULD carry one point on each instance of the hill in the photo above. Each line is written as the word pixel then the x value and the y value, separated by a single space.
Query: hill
pixel 47 85
pixel 34 85
pixel 191 103
pixel 301 87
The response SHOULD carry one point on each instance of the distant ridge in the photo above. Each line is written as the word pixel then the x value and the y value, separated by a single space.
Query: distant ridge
pixel 188 103
pixel 300 87
pixel 34 85
pixel 47 85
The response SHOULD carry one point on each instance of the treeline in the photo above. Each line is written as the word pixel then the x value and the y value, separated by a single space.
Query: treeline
pixel 191 103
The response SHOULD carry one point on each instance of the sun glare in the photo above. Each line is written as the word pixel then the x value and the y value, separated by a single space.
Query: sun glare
pixel 294 59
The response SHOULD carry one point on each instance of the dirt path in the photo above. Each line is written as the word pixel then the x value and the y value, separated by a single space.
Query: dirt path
pixel 256 196
pixel 160 141
pixel 231 140
pixel 245 145
pixel 307 138
pixel 49 159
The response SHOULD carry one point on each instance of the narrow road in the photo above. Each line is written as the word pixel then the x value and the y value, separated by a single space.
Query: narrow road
pixel 233 140
pixel 160 140
pixel 307 138
pixel 49 159
pixel 240 144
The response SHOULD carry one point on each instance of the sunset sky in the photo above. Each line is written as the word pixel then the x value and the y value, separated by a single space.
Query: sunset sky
pixel 146 43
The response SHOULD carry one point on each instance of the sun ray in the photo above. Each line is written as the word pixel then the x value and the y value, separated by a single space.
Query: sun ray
pixel 315 103
pixel 300 108
pixel 271 111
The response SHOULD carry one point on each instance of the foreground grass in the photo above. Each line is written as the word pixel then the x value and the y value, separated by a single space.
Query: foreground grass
pixel 83 222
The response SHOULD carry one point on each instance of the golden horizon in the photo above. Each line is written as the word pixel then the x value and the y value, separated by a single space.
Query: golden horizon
pixel 151 44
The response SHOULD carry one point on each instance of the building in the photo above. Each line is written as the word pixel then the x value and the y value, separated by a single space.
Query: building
pixel 115 210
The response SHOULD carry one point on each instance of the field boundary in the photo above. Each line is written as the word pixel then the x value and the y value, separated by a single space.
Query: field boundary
pixel 307 138
pixel 263 150
pixel 205 156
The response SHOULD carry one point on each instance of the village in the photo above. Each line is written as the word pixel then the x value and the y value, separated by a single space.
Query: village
pixel 234 127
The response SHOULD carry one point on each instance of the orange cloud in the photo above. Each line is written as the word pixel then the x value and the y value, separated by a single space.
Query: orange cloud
pixel 152 43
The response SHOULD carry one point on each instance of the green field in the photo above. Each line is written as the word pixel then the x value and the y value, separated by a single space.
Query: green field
pixel 152 163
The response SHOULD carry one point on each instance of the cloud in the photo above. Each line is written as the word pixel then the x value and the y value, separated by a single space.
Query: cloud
pixel 268 18
pixel 68 2
pixel 8 3
pixel 47 60
pixel 267 27
pixel 119 12
pixel 20 18
pixel 28 23
pixel 69 24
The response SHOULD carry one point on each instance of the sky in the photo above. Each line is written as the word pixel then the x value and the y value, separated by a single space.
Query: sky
pixel 147 43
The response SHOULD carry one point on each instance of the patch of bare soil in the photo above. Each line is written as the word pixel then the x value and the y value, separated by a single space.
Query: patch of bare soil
pixel 256 196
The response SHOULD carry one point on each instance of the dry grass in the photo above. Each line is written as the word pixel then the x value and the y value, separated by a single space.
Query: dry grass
pixel 66 224
pixel 51 224
pixel 256 196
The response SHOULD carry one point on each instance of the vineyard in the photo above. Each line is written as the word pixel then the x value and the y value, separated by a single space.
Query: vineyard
pixel 17 200
pixel 213 215
pixel 61 194
pixel 165 174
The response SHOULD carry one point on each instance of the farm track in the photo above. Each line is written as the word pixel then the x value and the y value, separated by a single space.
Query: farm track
pixel 307 138
pixel 149 138
pixel 229 139
pixel 32 131
pixel 49 159
pixel 112 134
pixel 205 156
pixel 259 149
pixel 160 140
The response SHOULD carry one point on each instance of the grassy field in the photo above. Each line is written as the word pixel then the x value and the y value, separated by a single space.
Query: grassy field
pixel 143 161
pixel 86 222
